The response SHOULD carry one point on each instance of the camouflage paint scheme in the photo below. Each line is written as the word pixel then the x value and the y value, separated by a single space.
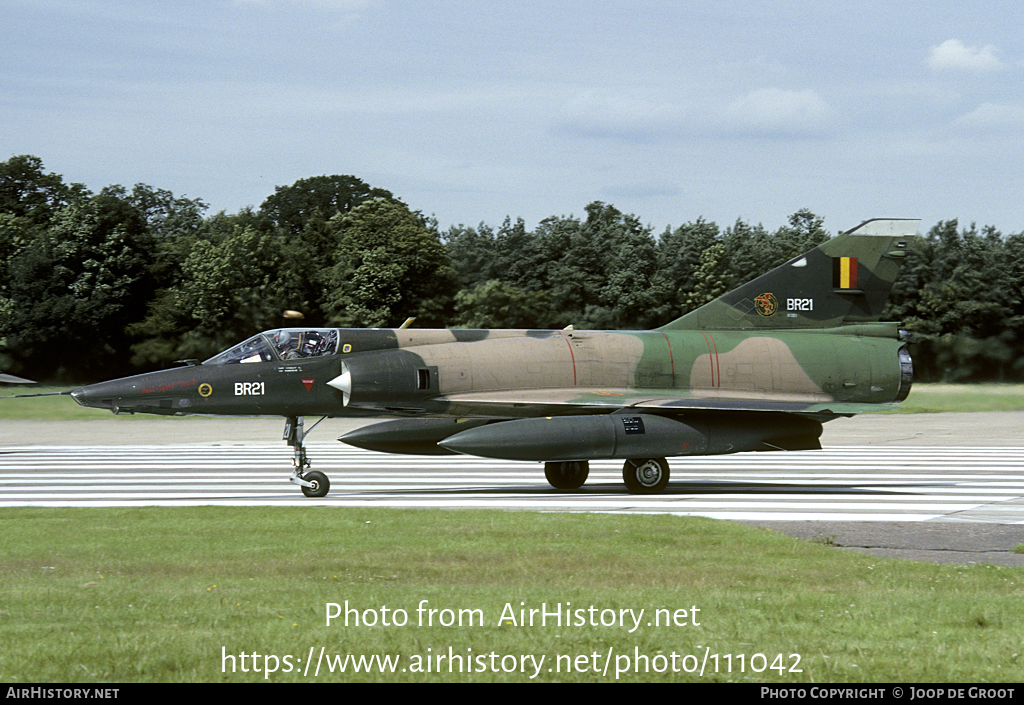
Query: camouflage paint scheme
pixel 760 368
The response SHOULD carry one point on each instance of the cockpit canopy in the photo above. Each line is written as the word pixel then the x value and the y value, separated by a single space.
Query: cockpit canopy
pixel 281 344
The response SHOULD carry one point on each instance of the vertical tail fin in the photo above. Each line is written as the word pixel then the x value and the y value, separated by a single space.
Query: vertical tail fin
pixel 844 280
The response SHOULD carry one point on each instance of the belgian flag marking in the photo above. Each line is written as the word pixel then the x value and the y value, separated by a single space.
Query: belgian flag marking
pixel 844 272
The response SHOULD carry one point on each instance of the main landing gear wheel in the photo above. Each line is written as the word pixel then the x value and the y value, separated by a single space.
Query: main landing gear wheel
pixel 567 475
pixel 645 475
pixel 320 485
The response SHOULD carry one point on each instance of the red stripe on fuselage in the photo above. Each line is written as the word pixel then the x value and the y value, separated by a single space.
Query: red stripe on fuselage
pixel 716 368
pixel 573 356
pixel 671 360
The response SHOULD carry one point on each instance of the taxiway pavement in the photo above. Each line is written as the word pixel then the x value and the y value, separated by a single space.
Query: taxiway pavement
pixel 983 528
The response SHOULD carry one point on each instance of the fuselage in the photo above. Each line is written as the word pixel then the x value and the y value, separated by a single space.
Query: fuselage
pixel 516 373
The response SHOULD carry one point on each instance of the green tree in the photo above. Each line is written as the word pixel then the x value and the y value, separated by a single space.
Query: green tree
pixel 751 251
pixel 804 232
pixel 29 200
pixel 679 255
pixel 230 290
pixel 497 304
pixel 633 290
pixel 291 207
pixel 711 279
pixel 27 192
pixel 473 253
pixel 960 295
pixel 75 288
pixel 520 258
pixel 605 273
pixel 390 266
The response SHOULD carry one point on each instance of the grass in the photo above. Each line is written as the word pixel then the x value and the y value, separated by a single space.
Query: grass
pixel 164 594
pixel 936 398
pixel 53 408
pixel 62 408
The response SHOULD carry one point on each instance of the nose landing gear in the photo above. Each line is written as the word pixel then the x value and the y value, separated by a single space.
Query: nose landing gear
pixel 312 482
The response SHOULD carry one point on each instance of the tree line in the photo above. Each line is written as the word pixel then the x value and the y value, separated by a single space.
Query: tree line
pixel 94 285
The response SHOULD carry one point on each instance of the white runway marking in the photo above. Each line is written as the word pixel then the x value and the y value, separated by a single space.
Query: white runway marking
pixel 837 484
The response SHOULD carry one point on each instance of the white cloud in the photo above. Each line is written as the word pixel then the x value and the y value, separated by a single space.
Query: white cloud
pixel 781 112
pixel 329 5
pixel 953 54
pixel 993 117
pixel 620 116
pixel 764 112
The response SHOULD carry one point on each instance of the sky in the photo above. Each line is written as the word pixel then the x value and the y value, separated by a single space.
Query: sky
pixel 480 110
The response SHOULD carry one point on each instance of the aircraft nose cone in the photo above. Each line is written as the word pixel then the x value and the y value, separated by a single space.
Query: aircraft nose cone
pixel 80 396
pixel 92 397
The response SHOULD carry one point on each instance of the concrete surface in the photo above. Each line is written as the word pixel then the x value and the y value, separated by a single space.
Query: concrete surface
pixel 957 543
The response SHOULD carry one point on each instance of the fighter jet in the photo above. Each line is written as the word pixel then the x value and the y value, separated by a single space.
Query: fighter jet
pixel 760 368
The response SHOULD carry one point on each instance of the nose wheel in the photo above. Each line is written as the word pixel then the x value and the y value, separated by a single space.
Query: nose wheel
pixel 319 485
pixel 312 482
